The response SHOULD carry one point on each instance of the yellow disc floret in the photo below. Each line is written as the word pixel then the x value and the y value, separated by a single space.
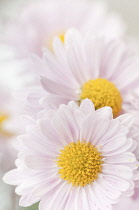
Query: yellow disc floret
pixel 102 93
pixel 79 163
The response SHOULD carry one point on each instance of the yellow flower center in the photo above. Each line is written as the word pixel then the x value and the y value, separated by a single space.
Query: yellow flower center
pixel 62 37
pixel 79 163
pixel 102 93
pixel 3 118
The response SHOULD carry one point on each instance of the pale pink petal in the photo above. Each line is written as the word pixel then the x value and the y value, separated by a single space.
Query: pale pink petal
pixel 118 170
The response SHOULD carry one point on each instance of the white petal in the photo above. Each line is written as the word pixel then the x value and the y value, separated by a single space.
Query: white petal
pixel 113 144
pixel 39 163
pixel 12 177
pixel 87 107
pixel 79 117
pixel 123 81
pixel 76 56
pixel 38 147
pixel 115 184
pixel 58 196
pixel 102 202
pixel 126 119
pixel 126 157
pixel 105 112
pixel 55 100
pixel 114 129
pixel 94 47
pixel 64 132
pixel 117 170
pixel 100 130
pixel 73 105
pixel 43 189
pixel 58 89
pixel 24 201
pixel 83 199
pixel 124 148
pixel 87 128
pixel 68 118
pixel 51 138
pixel 54 70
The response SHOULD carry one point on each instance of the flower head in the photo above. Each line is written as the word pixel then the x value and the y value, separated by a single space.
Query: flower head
pixel 86 67
pixel 43 21
pixel 75 158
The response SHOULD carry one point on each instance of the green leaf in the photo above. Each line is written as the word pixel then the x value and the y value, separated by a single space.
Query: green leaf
pixel 33 207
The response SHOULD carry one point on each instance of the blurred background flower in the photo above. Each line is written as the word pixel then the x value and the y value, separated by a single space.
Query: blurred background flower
pixel 128 10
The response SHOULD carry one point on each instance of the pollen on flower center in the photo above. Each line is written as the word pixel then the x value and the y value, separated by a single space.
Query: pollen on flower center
pixel 79 163
pixel 102 93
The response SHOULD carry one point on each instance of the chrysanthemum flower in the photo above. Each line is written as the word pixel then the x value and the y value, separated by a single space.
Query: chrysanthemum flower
pixel 37 26
pixel 75 158
pixel 86 67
